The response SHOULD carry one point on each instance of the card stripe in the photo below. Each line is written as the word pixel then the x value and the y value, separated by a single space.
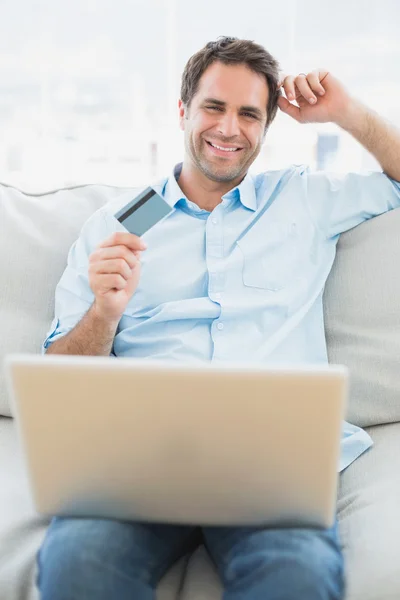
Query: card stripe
pixel 138 204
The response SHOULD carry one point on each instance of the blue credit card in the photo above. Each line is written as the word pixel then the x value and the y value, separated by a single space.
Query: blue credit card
pixel 143 212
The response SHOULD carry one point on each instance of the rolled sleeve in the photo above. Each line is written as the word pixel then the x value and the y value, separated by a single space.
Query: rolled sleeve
pixel 52 335
pixel 73 295
pixel 338 202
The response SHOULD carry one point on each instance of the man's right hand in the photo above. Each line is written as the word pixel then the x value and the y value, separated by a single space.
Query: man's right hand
pixel 114 272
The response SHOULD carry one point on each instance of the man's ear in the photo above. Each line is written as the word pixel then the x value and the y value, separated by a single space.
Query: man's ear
pixel 182 114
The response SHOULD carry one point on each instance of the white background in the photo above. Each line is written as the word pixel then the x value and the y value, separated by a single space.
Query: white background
pixel 89 88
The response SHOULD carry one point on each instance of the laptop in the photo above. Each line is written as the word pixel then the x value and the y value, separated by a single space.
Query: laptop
pixel 201 444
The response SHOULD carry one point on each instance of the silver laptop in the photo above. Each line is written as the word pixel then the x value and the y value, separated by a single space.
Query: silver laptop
pixel 200 444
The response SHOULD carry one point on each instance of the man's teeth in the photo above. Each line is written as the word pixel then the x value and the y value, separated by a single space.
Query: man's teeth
pixel 225 149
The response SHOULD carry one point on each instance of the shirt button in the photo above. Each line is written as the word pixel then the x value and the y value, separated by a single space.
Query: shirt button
pixel 218 296
pixel 214 221
pixel 220 326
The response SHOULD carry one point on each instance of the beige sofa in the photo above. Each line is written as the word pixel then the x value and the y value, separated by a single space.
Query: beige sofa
pixel 362 310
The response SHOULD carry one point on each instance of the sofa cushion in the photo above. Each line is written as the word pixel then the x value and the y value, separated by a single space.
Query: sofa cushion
pixel 21 531
pixel 369 518
pixel 362 318
pixel 36 232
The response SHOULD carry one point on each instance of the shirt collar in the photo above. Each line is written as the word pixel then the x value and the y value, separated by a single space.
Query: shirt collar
pixel 172 193
pixel 246 192
pixel 169 188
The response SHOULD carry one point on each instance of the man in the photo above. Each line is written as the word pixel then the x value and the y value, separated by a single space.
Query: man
pixel 236 272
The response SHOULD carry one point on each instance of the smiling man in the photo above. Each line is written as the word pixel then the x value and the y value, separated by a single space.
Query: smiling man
pixel 236 272
pixel 224 123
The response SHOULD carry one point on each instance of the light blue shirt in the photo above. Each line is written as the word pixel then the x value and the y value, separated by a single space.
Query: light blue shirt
pixel 242 283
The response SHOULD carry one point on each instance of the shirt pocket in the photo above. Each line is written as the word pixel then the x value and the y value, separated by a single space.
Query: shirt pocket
pixel 270 258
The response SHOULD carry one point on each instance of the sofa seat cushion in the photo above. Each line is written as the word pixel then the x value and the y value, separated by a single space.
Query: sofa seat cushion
pixel 21 531
pixel 369 517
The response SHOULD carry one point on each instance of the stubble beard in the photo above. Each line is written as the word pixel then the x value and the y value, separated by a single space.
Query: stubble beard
pixel 213 172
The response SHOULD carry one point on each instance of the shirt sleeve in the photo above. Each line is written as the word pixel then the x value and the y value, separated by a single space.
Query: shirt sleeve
pixel 338 202
pixel 73 295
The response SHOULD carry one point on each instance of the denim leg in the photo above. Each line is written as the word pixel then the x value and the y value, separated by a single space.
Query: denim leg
pixel 277 564
pixel 81 559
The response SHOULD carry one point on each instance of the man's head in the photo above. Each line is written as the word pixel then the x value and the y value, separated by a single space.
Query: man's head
pixel 229 97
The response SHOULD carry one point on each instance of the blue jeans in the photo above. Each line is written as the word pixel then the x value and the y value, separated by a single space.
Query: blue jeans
pixel 82 559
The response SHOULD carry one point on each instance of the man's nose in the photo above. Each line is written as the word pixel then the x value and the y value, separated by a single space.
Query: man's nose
pixel 228 125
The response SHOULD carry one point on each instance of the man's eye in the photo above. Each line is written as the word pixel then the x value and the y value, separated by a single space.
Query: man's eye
pixel 251 115
pixel 214 107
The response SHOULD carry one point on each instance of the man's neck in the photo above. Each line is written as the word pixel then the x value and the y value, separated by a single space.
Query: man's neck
pixel 202 191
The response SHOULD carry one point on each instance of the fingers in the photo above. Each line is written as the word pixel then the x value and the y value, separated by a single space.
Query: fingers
pixel 130 240
pixel 290 109
pixel 288 86
pixel 114 260
pixel 110 282
pixel 307 86
pixel 304 88
pixel 103 254
pixel 115 265
pixel 314 83
pixel 118 266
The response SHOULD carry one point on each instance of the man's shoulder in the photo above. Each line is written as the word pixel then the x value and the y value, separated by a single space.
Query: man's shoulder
pixel 273 177
pixel 278 173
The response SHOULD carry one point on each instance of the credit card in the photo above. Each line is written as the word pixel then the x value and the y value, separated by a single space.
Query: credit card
pixel 143 212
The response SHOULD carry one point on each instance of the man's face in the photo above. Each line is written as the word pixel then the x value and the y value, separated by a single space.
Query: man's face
pixel 229 111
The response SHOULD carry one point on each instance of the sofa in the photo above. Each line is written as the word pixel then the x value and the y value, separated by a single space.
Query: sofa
pixel 362 320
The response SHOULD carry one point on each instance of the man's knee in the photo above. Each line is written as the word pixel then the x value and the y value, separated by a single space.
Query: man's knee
pixel 316 569
pixel 80 551
pixel 77 539
pixel 294 564
pixel 65 542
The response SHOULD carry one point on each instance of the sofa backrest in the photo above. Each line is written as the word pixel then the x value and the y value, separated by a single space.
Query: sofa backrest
pixel 361 301
pixel 362 318
pixel 36 232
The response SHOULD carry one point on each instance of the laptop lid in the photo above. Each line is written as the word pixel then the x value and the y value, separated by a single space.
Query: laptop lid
pixel 203 444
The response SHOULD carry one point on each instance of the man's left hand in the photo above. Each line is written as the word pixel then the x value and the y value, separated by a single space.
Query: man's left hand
pixel 321 98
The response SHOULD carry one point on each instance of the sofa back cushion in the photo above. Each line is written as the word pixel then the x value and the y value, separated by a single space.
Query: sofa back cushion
pixel 362 318
pixel 361 300
pixel 36 232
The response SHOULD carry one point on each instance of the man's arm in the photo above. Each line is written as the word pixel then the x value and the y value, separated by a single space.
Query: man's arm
pixel 113 276
pixel 322 98
pixel 378 136
pixel 92 336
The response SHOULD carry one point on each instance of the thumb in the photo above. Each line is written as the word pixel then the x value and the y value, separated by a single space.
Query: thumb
pixel 289 109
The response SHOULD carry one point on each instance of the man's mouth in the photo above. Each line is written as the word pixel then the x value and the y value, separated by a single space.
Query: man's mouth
pixel 224 149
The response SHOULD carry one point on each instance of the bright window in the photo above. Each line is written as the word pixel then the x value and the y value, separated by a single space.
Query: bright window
pixel 89 88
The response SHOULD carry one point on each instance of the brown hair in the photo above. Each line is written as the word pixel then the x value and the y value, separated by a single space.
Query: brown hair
pixel 231 51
